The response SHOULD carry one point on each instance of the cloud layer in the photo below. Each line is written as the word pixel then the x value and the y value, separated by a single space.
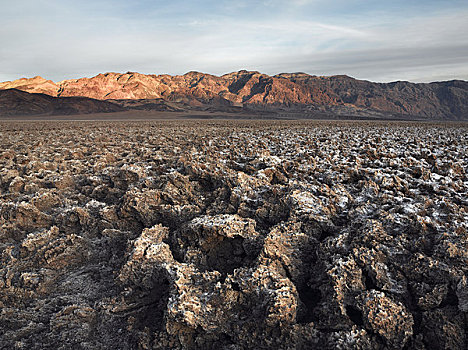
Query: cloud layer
pixel 411 40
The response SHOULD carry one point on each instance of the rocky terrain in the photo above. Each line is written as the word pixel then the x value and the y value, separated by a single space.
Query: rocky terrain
pixel 239 235
pixel 299 94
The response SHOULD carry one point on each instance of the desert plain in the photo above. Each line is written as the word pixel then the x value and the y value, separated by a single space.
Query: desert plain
pixel 223 234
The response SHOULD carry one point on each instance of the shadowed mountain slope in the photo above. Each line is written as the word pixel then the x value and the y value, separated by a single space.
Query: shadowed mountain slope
pixel 16 102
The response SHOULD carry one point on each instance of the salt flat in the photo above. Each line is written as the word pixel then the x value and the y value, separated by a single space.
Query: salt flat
pixel 217 234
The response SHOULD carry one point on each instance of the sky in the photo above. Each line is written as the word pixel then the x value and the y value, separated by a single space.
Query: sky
pixel 414 40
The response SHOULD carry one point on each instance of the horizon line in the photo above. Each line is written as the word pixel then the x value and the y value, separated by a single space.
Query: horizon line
pixel 232 72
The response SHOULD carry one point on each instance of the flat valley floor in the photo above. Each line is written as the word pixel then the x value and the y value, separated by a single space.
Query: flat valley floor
pixel 217 234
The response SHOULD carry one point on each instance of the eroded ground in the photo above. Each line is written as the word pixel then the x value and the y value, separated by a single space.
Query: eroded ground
pixel 233 235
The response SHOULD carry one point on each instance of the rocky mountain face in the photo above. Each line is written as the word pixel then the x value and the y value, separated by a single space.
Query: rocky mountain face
pixel 16 102
pixel 287 92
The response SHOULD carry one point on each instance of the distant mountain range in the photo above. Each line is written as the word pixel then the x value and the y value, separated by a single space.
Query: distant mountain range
pixel 14 102
pixel 296 94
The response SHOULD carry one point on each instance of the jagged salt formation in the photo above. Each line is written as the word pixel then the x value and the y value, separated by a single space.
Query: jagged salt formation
pixel 240 235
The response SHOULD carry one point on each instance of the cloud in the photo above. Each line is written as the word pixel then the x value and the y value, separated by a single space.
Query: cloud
pixel 64 40
pixel 417 64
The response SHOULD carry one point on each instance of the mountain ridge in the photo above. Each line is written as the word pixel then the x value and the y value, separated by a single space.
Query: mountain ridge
pixel 251 90
pixel 14 102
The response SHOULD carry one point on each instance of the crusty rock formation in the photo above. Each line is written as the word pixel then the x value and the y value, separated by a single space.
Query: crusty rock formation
pixel 240 235
pixel 283 93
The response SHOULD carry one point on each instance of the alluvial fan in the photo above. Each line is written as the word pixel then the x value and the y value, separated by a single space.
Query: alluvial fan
pixel 233 235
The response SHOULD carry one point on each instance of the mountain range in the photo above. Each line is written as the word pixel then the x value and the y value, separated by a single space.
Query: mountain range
pixel 296 94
